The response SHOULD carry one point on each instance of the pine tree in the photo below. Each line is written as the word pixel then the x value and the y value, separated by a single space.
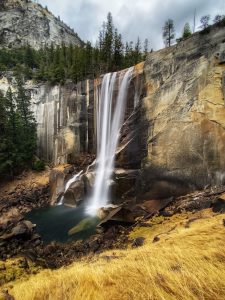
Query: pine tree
pixel 108 39
pixel 10 107
pixel 29 58
pixel 205 21
pixel 3 117
pixel 23 102
pixel 186 31
pixel 3 135
pixel 118 50
pixel 146 45
pixel 137 52
pixel 26 122
pixel 169 32
pixel 88 59
pixel 9 155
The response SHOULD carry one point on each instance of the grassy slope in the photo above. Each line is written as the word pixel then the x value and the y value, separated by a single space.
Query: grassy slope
pixel 188 262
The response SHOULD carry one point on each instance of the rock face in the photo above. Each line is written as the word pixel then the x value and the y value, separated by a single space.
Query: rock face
pixel 65 120
pixel 173 138
pixel 25 22
pixel 185 112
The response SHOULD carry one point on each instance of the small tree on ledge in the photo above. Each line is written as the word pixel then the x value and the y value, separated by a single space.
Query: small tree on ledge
pixel 168 32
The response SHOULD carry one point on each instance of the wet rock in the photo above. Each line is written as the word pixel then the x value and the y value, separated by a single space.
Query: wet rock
pixel 115 215
pixel 138 242
pixel 75 194
pixel 126 184
pixel 85 224
pixel 88 178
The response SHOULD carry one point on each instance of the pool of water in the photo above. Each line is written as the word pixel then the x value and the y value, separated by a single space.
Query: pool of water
pixel 54 223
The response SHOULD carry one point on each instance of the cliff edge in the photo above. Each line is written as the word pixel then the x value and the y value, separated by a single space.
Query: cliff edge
pixel 25 22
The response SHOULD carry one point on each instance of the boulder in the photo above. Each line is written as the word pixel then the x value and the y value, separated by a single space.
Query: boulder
pixel 219 206
pixel 126 184
pixel 22 230
pixel 89 178
pixel 154 206
pixel 56 182
pixel 84 225
pixel 222 57
pixel 116 215
pixel 138 242
pixel 75 194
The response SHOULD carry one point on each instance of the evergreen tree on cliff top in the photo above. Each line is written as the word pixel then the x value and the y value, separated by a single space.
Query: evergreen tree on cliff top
pixel 168 32
pixel 186 31
pixel 108 41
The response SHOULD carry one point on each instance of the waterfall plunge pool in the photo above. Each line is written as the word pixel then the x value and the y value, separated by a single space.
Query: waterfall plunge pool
pixel 53 223
pixel 61 223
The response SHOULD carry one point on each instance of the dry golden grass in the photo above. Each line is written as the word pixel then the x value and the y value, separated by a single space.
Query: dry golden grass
pixel 186 263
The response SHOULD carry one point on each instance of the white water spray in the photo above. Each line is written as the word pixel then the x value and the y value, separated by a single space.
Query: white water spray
pixel 110 118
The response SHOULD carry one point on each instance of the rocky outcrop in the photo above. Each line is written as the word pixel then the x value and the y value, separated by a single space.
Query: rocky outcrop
pixel 65 120
pixel 185 112
pixel 173 138
pixel 25 22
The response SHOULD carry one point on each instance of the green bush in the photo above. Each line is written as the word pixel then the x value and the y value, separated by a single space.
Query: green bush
pixel 39 165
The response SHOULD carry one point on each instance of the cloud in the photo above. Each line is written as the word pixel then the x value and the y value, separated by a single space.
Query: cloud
pixel 133 18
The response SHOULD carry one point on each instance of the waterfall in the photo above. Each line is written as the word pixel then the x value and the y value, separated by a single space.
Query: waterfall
pixel 72 180
pixel 110 116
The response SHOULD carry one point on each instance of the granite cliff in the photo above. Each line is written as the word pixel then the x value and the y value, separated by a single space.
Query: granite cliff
pixel 26 22
pixel 185 111
pixel 173 138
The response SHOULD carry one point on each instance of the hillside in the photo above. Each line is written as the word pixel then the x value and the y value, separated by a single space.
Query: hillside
pixel 182 258
pixel 25 22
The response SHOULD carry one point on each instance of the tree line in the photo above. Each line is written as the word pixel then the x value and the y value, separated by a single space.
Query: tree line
pixel 56 64
pixel 169 28
pixel 17 130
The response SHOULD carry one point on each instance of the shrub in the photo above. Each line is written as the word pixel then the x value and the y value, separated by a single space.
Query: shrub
pixel 39 165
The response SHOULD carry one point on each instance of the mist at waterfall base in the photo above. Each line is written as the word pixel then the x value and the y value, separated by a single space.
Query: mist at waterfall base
pixel 54 223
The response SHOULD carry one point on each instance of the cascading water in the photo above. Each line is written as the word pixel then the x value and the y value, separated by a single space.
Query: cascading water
pixel 72 180
pixel 109 121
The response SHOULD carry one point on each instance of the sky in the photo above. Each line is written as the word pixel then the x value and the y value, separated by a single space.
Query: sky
pixel 133 18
